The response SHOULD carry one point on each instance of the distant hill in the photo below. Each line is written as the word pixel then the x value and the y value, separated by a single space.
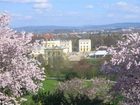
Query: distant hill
pixel 58 29
pixel 115 26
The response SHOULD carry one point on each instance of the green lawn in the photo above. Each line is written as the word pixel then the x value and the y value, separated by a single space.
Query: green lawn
pixel 49 85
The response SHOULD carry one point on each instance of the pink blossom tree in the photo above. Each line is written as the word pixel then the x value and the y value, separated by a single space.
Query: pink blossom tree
pixel 19 73
pixel 97 87
pixel 125 63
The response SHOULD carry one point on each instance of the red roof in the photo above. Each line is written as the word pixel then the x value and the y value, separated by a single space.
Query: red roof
pixel 49 36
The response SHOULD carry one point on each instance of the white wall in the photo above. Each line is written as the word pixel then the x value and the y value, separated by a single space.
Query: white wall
pixel 54 43
pixel 67 45
pixel 84 45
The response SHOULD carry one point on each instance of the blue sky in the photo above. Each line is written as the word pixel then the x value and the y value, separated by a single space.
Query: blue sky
pixel 70 12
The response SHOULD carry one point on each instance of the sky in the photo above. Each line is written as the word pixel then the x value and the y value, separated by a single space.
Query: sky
pixel 70 12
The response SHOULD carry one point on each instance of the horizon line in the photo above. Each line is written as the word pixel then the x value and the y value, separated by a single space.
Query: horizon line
pixel 75 25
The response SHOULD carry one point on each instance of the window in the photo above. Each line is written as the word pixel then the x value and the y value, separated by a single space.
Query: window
pixel 53 53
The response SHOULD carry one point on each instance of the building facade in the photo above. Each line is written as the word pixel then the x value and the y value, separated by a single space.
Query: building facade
pixel 53 43
pixel 53 56
pixel 66 45
pixel 38 50
pixel 84 45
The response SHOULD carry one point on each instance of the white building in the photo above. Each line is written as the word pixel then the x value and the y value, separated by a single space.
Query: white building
pixel 43 44
pixel 98 54
pixel 53 43
pixel 38 50
pixel 84 45
pixel 67 45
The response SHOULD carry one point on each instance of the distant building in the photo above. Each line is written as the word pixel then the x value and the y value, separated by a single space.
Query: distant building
pixel 98 54
pixel 53 43
pixel 38 53
pixel 38 50
pixel 49 36
pixel 66 45
pixel 84 45
pixel 53 56
pixel 52 50
pixel 75 56
pixel 37 38
pixel 43 44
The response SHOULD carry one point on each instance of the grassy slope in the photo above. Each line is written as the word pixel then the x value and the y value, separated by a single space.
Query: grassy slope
pixel 48 85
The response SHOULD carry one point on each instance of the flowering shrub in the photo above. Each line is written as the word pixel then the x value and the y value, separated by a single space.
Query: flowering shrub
pixel 47 98
pixel 125 63
pixel 19 73
pixel 98 87
pixel 77 92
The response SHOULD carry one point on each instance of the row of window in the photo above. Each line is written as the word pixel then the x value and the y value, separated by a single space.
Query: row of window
pixel 83 46
pixel 84 43
pixel 84 49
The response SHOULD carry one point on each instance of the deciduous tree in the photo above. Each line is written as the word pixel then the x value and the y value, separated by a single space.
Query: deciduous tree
pixel 19 73
pixel 125 63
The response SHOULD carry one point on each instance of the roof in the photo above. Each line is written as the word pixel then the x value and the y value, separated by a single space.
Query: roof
pixel 49 36
pixel 84 39
pixel 99 52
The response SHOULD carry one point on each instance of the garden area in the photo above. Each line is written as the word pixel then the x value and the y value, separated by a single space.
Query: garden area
pixel 113 80
pixel 82 84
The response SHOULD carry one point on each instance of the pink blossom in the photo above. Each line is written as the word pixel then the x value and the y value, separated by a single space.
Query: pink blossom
pixel 18 72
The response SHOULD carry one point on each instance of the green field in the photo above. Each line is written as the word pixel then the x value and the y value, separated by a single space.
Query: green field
pixel 48 85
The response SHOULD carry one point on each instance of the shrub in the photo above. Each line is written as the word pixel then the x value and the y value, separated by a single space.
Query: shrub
pixel 70 75
pixel 58 98
pixel 98 87
pixel 47 98
pixel 78 92
pixel 84 100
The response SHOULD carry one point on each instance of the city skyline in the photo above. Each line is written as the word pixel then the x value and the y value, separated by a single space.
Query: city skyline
pixel 70 12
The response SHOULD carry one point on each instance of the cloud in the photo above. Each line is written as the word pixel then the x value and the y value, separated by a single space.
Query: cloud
pixel 123 10
pixel 89 6
pixel 127 7
pixel 21 17
pixel 66 14
pixel 42 5
pixel 17 1
pixel 38 5
pixel 24 1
